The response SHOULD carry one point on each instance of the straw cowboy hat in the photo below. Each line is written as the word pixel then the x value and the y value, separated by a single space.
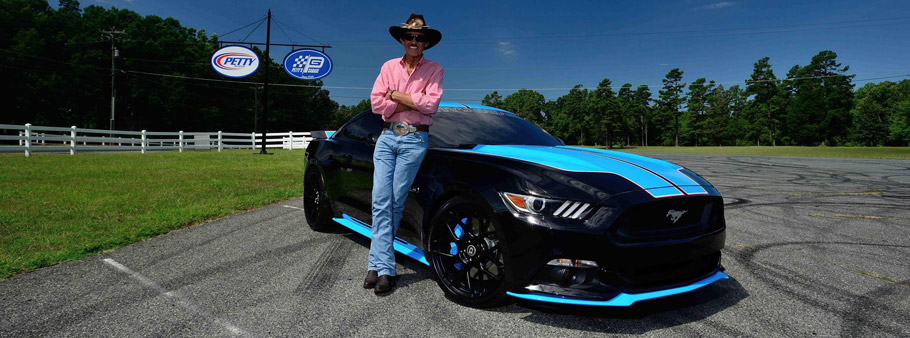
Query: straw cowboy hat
pixel 416 23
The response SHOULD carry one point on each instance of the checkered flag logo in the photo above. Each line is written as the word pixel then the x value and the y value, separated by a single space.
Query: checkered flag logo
pixel 299 61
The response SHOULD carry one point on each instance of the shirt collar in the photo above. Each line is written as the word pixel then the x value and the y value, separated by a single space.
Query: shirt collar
pixel 401 62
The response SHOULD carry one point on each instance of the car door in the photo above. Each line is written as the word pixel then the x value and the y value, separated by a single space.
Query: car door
pixel 353 177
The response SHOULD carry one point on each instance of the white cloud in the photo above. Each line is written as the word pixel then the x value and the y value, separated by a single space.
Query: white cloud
pixel 719 5
pixel 506 48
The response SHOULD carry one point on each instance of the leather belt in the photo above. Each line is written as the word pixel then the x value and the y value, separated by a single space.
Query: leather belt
pixel 403 128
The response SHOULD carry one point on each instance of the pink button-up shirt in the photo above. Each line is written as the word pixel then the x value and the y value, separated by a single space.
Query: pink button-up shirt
pixel 424 84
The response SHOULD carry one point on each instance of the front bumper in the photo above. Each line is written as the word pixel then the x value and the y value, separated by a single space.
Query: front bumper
pixel 622 299
pixel 633 264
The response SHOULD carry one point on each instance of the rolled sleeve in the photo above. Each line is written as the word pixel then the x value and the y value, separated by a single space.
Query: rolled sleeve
pixel 380 104
pixel 427 101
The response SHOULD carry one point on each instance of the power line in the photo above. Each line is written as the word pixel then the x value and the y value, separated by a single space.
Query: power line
pixel 250 24
pixel 298 32
pixel 253 31
pixel 285 33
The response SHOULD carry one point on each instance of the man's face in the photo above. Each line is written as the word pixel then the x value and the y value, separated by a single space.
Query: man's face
pixel 411 46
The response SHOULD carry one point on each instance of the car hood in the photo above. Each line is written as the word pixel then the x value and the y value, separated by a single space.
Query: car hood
pixel 657 177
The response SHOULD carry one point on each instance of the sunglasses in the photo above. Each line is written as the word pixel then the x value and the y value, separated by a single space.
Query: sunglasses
pixel 409 37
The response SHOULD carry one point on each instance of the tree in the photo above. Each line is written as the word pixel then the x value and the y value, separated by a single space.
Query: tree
pixel 492 100
pixel 526 103
pixel 670 102
pixel 880 114
pixel 718 115
pixel 606 111
pixel 822 99
pixel 872 110
pixel 900 117
pixel 642 99
pixel 767 102
pixel 58 51
pixel 625 103
pixel 697 106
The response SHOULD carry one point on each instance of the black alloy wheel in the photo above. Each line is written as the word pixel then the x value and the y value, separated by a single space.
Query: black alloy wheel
pixel 315 203
pixel 467 253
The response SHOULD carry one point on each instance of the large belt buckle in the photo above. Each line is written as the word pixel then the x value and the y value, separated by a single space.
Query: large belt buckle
pixel 402 128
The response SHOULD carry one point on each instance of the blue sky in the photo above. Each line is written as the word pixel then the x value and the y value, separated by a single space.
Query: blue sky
pixel 550 46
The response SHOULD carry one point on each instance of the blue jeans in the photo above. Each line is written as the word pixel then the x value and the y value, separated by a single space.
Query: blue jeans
pixel 396 160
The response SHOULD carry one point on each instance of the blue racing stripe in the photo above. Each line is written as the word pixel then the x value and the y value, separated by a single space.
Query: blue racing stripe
pixel 577 161
pixel 478 106
pixel 398 244
pixel 667 170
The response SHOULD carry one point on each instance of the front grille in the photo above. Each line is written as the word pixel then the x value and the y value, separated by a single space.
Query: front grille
pixel 670 219
pixel 647 278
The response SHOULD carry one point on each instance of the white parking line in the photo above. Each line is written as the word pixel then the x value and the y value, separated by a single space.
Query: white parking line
pixel 292 207
pixel 173 295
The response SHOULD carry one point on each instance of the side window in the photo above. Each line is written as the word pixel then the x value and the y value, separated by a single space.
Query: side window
pixel 361 128
pixel 353 130
pixel 373 124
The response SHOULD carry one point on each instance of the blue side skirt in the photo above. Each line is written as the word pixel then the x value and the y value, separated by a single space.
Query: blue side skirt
pixel 399 245
pixel 623 299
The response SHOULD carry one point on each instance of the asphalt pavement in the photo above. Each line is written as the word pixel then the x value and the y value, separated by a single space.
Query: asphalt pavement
pixel 814 247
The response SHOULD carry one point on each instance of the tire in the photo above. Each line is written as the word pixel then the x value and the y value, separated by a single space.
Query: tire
pixel 468 254
pixel 315 202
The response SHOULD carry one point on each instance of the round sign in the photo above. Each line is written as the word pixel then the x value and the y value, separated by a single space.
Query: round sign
pixel 235 61
pixel 307 64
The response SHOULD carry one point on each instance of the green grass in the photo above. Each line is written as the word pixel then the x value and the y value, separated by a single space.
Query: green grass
pixel 899 153
pixel 56 207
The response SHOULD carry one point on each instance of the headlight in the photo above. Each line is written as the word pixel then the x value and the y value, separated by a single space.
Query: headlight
pixel 545 206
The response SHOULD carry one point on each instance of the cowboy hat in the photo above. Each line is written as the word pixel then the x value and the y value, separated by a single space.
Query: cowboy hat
pixel 416 23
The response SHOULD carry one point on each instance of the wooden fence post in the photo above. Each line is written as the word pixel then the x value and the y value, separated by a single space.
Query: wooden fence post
pixel 73 140
pixel 28 139
pixel 253 139
pixel 220 145
pixel 144 141
pixel 181 140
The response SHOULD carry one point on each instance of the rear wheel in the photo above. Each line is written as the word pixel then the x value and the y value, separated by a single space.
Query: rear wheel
pixel 315 203
pixel 467 252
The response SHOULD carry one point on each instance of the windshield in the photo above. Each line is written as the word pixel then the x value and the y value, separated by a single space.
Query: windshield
pixel 456 127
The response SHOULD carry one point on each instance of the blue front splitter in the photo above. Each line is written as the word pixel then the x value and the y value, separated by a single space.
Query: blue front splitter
pixel 623 299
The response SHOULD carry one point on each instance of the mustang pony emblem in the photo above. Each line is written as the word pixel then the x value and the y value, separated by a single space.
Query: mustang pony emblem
pixel 675 215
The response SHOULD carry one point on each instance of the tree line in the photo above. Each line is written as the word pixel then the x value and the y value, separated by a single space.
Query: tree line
pixel 57 72
pixel 814 105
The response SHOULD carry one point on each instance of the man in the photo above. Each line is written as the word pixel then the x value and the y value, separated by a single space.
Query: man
pixel 406 93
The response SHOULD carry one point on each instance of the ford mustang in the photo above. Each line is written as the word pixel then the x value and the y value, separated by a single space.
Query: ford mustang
pixel 500 209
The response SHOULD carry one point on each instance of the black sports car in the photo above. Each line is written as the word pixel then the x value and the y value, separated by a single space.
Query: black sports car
pixel 501 208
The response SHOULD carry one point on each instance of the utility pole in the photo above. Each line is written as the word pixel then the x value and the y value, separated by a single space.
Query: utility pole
pixel 265 92
pixel 114 54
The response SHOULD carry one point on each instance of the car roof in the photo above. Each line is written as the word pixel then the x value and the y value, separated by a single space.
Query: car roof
pixel 446 104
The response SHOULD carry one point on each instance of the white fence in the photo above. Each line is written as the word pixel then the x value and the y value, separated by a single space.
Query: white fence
pixel 29 138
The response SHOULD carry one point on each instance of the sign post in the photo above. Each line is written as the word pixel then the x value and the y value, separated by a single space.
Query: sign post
pixel 237 61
